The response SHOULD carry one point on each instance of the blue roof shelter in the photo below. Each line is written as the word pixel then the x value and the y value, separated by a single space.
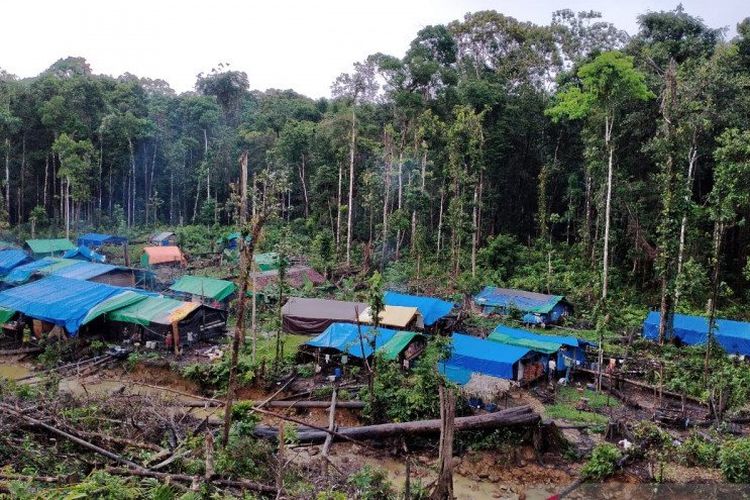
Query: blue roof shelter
pixel 66 302
pixel 84 253
pixel 12 258
pixel 732 336
pixel 563 346
pixel 474 355
pixel 344 337
pixel 96 240
pixel 537 308
pixel 431 309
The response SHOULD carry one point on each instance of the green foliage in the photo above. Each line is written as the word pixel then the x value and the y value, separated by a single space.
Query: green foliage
pixel 500 254
pixel 403 396
pixel 734 460
pixel 700 451
pixel 100 484
pixel 370 484
pixel 603 462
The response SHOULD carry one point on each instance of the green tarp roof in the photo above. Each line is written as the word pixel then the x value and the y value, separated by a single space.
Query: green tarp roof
pixel 6 314
pixel 159 310
pixel 125 299
pixel 204 287
pixel 50 246
pixel 541 346
pixel 266 261
pixel 391 349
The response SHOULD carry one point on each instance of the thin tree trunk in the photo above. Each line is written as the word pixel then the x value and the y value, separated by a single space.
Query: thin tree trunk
pixel 7 177
pixel 475 231
pixel 131 216
pixel 46 181
pixel 444 485
pixel 302 179
pixel 718 236
pixel 350 208
pixel 440 220
pixel 400 200
pixel 386 201
pixel 338 209
pixel 692 159
pixel 608 207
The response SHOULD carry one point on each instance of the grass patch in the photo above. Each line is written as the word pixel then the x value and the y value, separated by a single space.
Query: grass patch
pixel 266 347
pixel 565 412
pixel 597 400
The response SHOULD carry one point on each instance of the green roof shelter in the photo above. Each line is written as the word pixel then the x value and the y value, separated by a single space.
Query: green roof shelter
pixel 49 248
pixel 200 286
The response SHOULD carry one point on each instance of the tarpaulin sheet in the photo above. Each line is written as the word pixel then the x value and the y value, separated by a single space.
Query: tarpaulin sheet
pixel 431 309
pixel 506 298
pixel 732 336
pixel 573 346
pixel 80 270
pixel 43 247
pixel 84 253
pixel 162 238
pixel 6 315
pixel 97 239
pixel 484 356
pixel 312 316
pixel 266 261
pixel 396 345
pixel 395 316
pixel 21 274
pixel 296 277
pixel 164 255
pixel 204 287
pixel 455 374
pixel 10 259
pixel 345 337
pixel 62 301
pixel 158 310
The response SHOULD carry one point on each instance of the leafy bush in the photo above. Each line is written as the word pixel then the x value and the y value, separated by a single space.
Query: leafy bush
pixel 371 484
pixel 734 460
pixel 603 461
pixel 697 450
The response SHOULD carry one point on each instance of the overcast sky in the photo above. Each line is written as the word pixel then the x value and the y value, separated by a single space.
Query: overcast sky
pixel 302 44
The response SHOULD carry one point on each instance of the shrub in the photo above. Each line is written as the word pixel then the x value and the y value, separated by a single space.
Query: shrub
pixel 602 463
pixel 371 484
pixel 697 450
pixel 734 460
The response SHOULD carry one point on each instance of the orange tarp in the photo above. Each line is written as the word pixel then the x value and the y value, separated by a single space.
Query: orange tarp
pixel 164 255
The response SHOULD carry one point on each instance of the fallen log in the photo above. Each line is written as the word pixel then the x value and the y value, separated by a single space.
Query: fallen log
pixel 522 415
pixel 21 350
pixel 355 405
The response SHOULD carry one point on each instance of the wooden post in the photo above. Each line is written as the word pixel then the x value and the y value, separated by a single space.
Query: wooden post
pixel 176 338
pixel 329 438
pixel 127 254
pixel 444 485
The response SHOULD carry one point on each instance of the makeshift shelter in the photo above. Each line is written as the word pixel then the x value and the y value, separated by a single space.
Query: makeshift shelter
pixel 162 255
pixel 431 309
pixel 231 241
pixel 474 355
pixel 99 273
pixel 49 248
pixel 344 338
pixel 10 259
pixel 200 287
pixel 732 336
pixel 163 239
pixel 171 322
pixel 395 316
pixel 23 273
pixel 84 253
pixel 313 316
pixel 65 302
pixel 537 308
pixel 296 277
pixel 96 240
pixel 266 261
pixel 561 347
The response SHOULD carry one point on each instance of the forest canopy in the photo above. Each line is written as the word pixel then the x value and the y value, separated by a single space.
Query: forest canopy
pixel 625 155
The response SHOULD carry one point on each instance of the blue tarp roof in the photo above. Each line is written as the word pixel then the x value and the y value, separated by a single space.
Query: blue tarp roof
pixel 62 301
pixel 98 239
pixel 344 337
pixel 430 308
pixel 522 300
pixel 525 334
pixel 83 252
pixel 21 274
pixel 732 336
pixel 10 259
pixel 83 270
pixel 483 356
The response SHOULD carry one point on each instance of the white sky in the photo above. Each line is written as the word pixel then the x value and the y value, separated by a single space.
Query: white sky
pixel 298 44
